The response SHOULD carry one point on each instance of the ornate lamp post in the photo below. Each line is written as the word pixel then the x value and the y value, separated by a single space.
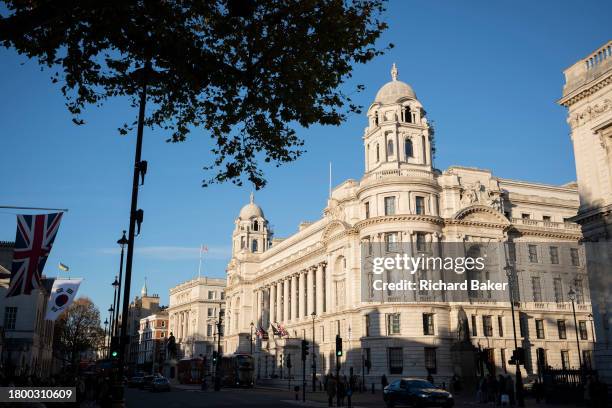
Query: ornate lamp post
pixel 115 286
pixel 510 273
pixel 314 364
pixel 110 329
pixel 251 339
pixel 105 335
pixel 572 296
pixel 123 241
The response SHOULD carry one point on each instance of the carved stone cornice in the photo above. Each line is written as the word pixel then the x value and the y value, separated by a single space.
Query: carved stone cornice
pixel 432 219
pixel 584 91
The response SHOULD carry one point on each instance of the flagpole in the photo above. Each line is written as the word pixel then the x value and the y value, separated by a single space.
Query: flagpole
pixel 12 207
pixel 200 264
pixel 330 179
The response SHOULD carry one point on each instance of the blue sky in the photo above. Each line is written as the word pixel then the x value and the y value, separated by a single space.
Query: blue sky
pixel 488 73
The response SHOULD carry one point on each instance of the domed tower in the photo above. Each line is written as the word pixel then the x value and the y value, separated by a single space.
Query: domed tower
pixel 251 234
pixel 397 135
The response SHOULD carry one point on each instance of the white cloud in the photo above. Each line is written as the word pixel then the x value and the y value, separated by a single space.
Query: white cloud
pixel 174 253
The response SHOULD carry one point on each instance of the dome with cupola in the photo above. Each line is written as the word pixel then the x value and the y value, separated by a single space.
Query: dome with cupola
pixel 394 90
pixel 251 210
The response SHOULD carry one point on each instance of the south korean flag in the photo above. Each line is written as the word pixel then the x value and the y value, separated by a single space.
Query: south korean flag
pixel 62 295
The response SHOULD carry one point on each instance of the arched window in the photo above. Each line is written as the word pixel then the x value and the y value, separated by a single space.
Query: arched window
pixel 376 118
pixel 408 151
pixel 255 225
pixel 254 246
pixel 390 147
pixel 377 152
pixel 407 115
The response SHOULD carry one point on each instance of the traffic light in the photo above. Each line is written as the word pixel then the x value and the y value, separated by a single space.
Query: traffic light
pixel 338 346
pixel 215 357
pixel 305 347
pixel 518 356
pixel 114 348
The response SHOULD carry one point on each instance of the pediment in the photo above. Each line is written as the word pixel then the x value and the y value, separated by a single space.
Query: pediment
pixel 481 213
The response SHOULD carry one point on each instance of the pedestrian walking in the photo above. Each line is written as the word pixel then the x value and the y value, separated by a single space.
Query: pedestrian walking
pixel 331 390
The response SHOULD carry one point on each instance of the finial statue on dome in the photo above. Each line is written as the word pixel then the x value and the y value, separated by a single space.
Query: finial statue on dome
pixel 252 197
pixel 394 72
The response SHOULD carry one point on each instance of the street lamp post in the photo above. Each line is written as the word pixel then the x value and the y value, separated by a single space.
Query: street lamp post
pixel 115 286
pixel 572 296
pixel 123 241
pixel 217 374
pixel 251 339
pixel 110 329
pixel 105 336
pixel 519 379
pixel 314 364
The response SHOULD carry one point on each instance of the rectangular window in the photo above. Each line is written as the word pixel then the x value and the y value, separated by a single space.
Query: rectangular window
pixel 533 253
pixel 565 361
pixel 558 288
pixel 523 325
pixel 525 216
pixel 367 325
pixel 554 255
pixel 211 295
pixel 396 360
pixel 474 328
pixel 368 361
pixel 367 210
pixel 10 318
pixel 421 245
pixel 431 360
pixel 561 329
pixel 536 288
pixel 500 325
pixel 575 257
pixel 579 292
pixel 210 312
pixel 511 252
pixel 393 323
pixel 546 218
pixel 222 295
pixel 503 360
pixel 428 324
pixel 389 205
pixel 209 330
pixel 539 328
pixel 487 326
pixel 582 328
pixel 391 244
pixel 420 205
pixel 587 359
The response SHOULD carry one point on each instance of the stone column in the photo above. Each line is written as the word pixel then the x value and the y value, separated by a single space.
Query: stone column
pixel 294 298
pixel 310 289
pixel 286 300
pixel 257 319
pixel 272 303
pixel 319 289
pixel 279 298
pixel 302 295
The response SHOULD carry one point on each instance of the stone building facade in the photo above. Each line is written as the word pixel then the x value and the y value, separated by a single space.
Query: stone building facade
pixel 194 308
pixel 587 94
pixel 141 307
pixel 26 338
pixel 311 283
pixel 153 335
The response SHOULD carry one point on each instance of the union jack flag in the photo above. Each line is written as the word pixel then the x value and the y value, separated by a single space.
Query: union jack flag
pixel 33 242
pixel 283 332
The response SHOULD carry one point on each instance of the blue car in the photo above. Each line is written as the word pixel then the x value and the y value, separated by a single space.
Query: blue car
pixel 415 392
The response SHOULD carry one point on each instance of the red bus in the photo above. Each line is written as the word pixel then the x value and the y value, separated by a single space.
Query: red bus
pixel 191 370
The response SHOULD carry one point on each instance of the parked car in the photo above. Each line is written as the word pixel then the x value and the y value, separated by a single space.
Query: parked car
pixel 160 384
pixel 416 392
pixel 135 382
pixel 147 382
